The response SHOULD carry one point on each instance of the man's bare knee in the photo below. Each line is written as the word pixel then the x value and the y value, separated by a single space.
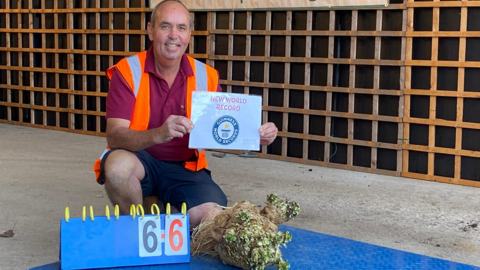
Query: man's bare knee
pixel 120 167
pixel 123 172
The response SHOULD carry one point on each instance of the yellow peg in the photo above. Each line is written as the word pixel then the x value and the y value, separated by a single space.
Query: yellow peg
pixel 117 212
pixel 67 214
pixel 84 213
pixel 91 212
pixel 107 212
pixel 132 211
pixel 153 207
pixel 184 209
pixel 140 210
pixel 168 209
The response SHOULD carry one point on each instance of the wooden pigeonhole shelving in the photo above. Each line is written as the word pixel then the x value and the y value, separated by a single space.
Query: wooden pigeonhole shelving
pixel 53 57
pixel 442 85
pixel 390 90
pixel 330 80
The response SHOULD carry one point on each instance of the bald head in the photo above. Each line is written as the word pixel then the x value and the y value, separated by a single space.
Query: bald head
pixel 156 10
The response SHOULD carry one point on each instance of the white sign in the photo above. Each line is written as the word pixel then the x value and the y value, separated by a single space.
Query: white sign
pixel 225 121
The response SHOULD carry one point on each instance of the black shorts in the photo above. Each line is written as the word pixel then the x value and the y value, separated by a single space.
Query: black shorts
pixel 174 184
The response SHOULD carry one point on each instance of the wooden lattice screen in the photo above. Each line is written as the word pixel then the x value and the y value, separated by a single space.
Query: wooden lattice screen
pixel 376 90
pixel 442 85
pixel 330 80
pixel 53 57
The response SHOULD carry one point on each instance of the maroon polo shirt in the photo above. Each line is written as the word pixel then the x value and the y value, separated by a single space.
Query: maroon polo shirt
pixel 164 101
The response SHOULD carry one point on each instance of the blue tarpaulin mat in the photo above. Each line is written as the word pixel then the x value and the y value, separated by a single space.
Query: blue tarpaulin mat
pixel 312 250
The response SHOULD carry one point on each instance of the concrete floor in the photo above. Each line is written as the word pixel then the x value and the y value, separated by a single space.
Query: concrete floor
pixel 43 171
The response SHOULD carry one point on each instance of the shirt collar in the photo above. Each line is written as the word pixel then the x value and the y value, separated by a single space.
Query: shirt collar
pixel 185 67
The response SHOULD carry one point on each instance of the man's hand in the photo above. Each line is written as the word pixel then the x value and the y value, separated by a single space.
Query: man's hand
pixel 175 126
pixel 119 134
pixel 268 133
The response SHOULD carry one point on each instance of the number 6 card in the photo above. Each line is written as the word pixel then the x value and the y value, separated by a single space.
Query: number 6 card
pixel 149 234
pixel 175 235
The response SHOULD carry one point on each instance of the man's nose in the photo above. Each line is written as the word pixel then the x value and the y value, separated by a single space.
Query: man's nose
pixel 173 34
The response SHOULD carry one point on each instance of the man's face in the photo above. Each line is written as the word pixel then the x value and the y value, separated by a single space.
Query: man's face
pixel 171 33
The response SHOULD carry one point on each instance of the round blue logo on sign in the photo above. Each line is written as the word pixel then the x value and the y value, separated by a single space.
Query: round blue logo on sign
pixel 225 130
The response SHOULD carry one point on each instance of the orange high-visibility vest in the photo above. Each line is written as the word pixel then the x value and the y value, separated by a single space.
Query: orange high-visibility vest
pixel 204 78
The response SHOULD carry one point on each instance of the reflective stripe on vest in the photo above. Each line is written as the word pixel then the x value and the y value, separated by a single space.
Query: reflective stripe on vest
pixel 200 76
pixel 205 78
pixel 104 152
pixel 136 70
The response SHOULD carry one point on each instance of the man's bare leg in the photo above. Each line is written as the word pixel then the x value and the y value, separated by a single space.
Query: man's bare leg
pixel 123 173
pixel 203 212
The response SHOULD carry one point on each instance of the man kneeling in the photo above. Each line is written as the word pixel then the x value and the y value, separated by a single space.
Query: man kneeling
pixel 148 122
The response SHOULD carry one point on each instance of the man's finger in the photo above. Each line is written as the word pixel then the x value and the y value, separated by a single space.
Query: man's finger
pixel 178 135
pixel 269 132
pixel 269 135
pixel 267 138
pixel 266 127
pixel 180 128
pixel 186 123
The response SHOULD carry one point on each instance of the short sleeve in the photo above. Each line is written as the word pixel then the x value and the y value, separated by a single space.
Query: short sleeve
pixel 120 98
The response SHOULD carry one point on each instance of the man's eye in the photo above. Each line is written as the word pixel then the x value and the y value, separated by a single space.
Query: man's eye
pixel 165 26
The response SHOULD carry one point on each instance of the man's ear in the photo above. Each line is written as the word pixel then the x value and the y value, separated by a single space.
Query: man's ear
pixel 150 31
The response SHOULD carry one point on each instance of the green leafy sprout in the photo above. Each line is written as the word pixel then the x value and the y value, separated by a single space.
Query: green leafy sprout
pixel 248 242
pixel 287 209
